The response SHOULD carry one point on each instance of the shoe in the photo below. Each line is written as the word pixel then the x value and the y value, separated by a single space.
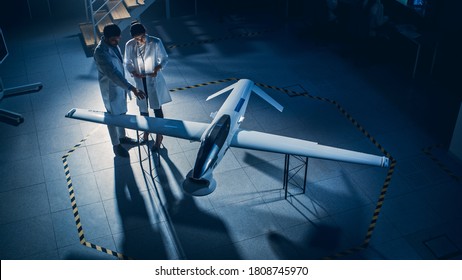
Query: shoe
pixel 159 139
pixel 120 151
pixel 128 140
pixel 145 139
pixel 154 148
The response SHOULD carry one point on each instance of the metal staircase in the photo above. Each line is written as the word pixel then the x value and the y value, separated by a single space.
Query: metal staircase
pixel 102 12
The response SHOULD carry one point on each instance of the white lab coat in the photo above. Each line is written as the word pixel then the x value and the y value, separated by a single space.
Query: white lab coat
pixel 154 55
pixel 111 76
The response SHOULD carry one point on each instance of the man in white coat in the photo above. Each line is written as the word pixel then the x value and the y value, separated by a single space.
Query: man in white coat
pixel 145 57
pixel 113 85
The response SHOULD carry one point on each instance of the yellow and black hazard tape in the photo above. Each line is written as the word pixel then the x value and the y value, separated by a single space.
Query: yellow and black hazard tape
pixel 105 250
pixel 203 84
pixel 374 220
pixel 229 37
pixel 391 169
pixel 291 93
pixel 294 93
pixel 384 189
pixel 379 205
pixel 75 209
pixel 361 128
pixel 338 106
pixel 428 152
pixel 386 183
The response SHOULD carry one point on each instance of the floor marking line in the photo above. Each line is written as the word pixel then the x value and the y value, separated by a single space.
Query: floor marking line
pixel 75 210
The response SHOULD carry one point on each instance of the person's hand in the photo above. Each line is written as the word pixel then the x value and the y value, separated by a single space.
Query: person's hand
pixel 139 93
pixel 156 69
pixel 137 75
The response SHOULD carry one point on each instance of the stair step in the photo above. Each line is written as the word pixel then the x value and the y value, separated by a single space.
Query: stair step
pixel 87 29
pixel 107 20
pixel 88 35
pixel 120 12
pixel 131 4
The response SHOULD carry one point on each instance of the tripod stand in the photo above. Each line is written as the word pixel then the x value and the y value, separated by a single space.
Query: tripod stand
pixel 5 115
pixel 9 116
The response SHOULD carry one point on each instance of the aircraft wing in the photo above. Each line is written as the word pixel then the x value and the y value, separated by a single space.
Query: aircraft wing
pixel 175 128
pixel 255 140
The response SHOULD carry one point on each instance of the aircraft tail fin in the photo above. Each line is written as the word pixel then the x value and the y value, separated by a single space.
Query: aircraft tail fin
pixel 255 89
pixel 226 89
pixel 267 98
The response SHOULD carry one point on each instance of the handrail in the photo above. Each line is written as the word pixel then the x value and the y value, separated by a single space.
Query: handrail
pixel 86 8
pixel 115 6
pixel 93 21
pixel 97 10
pixel 89 7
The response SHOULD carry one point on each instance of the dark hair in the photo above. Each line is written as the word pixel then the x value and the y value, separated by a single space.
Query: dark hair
pixel 111 30
pixel 136 28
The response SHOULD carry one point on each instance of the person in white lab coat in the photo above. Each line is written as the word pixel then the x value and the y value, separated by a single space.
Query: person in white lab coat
pixel 145 57
pixel 113 85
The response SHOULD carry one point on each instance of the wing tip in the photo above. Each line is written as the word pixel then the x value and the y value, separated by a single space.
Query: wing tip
pixel 385 162
pixel 70 113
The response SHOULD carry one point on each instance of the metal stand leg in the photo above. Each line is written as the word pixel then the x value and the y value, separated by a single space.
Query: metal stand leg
pixel 149 158
pixel 306 173
pixel 139 152
pixel 137 132
pixel 286 175
pixel 22 89
pixel 295 170
pixel 12 117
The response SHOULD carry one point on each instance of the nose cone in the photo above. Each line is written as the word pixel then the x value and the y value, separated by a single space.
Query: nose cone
pixel 205 161
pixel 211 145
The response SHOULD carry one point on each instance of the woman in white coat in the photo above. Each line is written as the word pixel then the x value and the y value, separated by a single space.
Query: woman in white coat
pixel 145 57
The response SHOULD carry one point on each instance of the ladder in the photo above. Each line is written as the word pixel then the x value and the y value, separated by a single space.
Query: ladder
pixel 102 12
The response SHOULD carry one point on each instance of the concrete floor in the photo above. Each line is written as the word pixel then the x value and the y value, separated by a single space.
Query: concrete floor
pixel 127 213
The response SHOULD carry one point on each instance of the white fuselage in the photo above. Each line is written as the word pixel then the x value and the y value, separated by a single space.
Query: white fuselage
pixel 216 139
pixel 224 132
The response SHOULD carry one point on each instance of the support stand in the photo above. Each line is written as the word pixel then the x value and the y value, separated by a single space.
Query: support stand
pixel 290 172
pixel 138 134
pixel 12 117
pixel 149 153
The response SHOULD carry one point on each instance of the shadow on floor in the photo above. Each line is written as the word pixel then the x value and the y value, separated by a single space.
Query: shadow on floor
pixel 198 232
